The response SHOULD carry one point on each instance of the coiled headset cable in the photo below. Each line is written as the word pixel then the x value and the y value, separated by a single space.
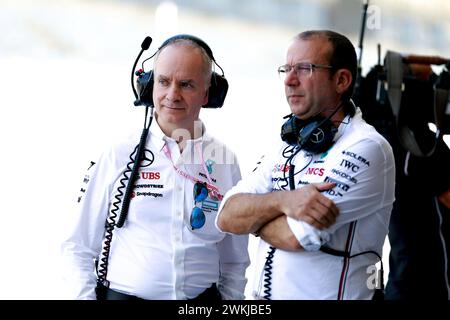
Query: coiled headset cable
pixel 135 170
pixel 130 175
pixel 268 273
pixel 102 268
pixel 271 252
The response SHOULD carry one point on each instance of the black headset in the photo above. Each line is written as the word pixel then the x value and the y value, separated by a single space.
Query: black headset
pixel 144 96
pixel 144 82
pixel 313 135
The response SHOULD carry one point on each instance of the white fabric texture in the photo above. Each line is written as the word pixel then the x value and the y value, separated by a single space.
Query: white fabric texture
pixel 361 163
pixel 157 255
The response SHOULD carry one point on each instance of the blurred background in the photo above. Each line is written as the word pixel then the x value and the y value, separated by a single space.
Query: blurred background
pixel 65 93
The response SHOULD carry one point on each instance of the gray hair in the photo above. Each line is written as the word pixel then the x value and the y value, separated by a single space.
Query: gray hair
pixel 207 62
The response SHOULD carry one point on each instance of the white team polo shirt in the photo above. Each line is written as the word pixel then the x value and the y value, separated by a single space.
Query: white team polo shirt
pixel 361 163
pixel 157 255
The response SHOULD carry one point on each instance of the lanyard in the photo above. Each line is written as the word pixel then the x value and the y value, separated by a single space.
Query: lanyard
pixel 212 190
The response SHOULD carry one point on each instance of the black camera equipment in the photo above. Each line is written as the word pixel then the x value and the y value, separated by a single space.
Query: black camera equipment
pixel 401 98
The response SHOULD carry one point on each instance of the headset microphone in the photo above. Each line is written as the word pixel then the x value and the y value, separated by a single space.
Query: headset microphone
pixel 146 43
pixel 141 147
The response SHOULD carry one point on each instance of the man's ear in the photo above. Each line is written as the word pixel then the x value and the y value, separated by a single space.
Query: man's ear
pixel 343 79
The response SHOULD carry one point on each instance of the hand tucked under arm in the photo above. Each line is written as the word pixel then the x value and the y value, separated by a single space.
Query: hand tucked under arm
pixel 247 213
pixel 316 210
pixel 278 234
pixel 310 205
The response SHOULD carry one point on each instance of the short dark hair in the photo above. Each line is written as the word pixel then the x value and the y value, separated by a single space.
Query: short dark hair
pixel 343 56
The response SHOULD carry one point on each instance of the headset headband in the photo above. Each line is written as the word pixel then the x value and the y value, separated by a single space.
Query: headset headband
pixel 192 38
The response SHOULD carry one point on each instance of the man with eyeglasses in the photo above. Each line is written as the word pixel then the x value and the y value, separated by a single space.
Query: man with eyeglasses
pixel 320 201
pixel 168 247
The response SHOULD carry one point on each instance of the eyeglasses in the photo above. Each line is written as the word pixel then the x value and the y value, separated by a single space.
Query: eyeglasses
pixel 303 70
pixel 197 215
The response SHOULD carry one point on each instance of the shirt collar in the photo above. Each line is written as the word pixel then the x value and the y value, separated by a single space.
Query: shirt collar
pixel 160 139
pixel 345 122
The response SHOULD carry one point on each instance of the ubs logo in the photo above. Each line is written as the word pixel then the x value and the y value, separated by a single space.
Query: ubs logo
pixel 150 175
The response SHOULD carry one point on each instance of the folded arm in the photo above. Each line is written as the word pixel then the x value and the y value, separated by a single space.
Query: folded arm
pixel 278 234
pixel 248 213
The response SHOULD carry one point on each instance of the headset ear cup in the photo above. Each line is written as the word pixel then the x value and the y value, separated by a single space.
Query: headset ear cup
pixel 317 136
pixel 219 85
pixel 313 135
pixel 217 91
pixel 144 85
pixel 289 131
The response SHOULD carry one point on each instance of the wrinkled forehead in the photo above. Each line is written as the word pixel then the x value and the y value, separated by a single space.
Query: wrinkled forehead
pixel 188 46
pixel 184 54
pixel 174 49
pixel 178 58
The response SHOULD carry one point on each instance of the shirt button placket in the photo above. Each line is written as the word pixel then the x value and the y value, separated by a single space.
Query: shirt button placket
pixel 177 233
